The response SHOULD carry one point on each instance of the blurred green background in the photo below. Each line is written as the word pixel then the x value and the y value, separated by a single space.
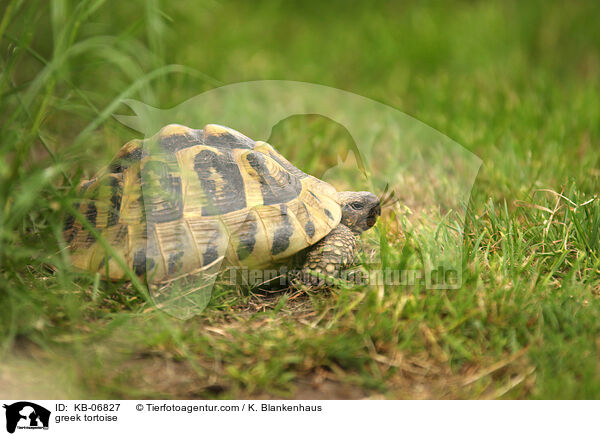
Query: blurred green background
pixel 501 78
pixel 517 83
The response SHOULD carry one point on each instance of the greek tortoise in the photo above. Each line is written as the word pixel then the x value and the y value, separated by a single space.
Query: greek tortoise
pixel 175 203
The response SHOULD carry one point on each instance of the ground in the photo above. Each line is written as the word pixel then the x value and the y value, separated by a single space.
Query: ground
pixel 515 83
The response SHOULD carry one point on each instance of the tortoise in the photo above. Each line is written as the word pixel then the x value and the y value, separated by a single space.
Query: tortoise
pixel 174 204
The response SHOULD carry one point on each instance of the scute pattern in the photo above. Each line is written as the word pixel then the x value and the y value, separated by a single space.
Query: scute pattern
pixel 220 181
pixel 185 198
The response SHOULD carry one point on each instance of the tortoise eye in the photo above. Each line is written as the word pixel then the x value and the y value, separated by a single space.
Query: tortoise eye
pixel 356 205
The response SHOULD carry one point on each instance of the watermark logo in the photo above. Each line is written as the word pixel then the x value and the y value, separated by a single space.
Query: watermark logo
pixel 25 415
pixel 430 175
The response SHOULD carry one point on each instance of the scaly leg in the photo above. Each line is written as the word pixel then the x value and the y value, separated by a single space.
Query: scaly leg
pixel 328 257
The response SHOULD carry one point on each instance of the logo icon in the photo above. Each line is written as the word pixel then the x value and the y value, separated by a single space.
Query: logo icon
pixel 26 415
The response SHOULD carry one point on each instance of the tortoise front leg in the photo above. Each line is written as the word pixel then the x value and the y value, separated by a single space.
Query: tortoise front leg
pixel 328 257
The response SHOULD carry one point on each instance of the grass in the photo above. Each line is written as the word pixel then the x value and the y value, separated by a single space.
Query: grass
pixel 516 83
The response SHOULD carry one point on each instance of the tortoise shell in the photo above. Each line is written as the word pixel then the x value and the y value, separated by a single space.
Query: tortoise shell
pixel 184 199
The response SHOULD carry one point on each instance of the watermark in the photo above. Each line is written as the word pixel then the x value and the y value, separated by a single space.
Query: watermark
pixel 283 277
pixel 212 193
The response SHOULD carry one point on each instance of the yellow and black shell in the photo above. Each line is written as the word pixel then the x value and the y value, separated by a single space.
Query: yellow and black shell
pixel 184 199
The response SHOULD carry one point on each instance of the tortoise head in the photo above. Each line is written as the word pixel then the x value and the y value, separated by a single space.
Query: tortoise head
pixel 359 210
